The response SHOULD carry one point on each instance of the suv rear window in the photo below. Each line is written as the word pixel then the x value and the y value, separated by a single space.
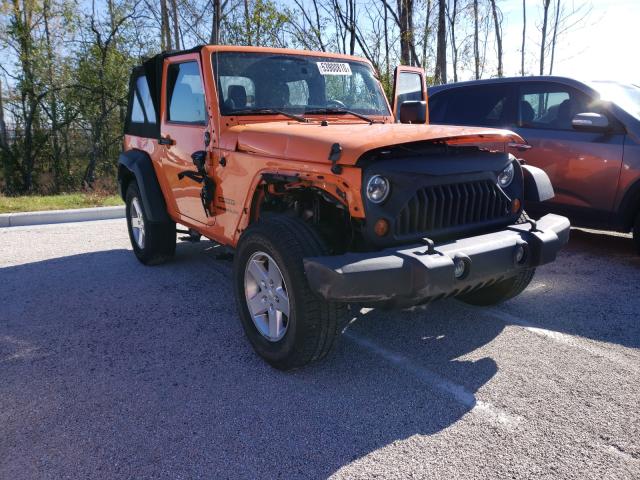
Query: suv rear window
pixel 491 106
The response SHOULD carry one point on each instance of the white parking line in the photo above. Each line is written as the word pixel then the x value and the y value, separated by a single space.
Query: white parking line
pixel 459 393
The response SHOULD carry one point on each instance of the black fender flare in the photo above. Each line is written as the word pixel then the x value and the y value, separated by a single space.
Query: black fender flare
pixel 537 185
pixel 137 164
pixel 629 207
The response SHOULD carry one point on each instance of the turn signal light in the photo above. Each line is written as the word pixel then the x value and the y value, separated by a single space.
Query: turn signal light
pixel 381 227
pixel 515 205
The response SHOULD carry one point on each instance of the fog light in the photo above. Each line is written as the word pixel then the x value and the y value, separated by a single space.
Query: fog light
pixel 381 227
pixel 519 253
pixel 459 267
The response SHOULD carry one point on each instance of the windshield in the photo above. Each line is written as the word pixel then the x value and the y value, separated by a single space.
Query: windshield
pixel 264 83
pixel 625 96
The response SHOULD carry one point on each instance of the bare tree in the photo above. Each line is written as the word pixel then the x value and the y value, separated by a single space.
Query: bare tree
pixel 4 142
pixel 404 21
pixel 216 21
pixel 176 24
pixel 555 36
pixel 476 47
pixel 452 14
pixel 543 40
pixel 497 21
pixel 427 31
pixel 524 35
pixel 440 73
pixel 165 31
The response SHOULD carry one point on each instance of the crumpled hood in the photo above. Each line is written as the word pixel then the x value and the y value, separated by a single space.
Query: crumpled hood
pixel 312 142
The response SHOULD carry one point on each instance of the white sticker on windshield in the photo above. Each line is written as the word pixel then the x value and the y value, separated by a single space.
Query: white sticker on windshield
pixel 334 68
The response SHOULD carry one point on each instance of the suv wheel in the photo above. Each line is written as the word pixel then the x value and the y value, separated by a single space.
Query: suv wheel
pixel 287 324
pixel 153 243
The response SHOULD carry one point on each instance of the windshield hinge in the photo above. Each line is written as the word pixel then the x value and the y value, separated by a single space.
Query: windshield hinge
pixel 334 155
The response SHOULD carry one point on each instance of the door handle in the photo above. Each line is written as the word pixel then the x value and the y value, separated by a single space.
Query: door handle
pixel 519 146
pixel 166 141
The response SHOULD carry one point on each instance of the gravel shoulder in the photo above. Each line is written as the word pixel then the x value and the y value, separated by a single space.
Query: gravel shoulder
pixel 109 369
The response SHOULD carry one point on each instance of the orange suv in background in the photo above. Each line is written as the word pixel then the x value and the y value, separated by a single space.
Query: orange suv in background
pixel 585 136
pixel 296 161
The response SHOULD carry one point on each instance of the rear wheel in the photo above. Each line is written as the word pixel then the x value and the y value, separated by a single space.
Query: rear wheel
pixel 287 324
pixel 153 243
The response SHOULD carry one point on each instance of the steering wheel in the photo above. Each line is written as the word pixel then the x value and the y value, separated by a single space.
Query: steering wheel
pixel 335 103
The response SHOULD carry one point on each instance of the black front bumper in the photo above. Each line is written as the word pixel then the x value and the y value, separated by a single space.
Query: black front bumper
pixel 409 275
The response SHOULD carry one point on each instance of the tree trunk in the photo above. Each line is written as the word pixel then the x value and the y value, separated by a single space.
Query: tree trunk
pixel 426 33
pixel 452 33
pixel 4 141
pixel 555 35
pixel 441 52
pixel 498 28
pixel 56 149
pixel 23 27
pixel 476 46
pixel 386 45
pixel 524 34
pixel 176 24
pixel 247 23
pixel 216 22
pixel 165 32
pixel 543 42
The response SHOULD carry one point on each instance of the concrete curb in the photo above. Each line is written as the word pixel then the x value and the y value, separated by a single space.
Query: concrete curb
pixel 60 216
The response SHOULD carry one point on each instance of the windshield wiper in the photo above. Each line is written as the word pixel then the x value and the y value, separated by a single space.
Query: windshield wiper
pixel 266 111
pixel 343 111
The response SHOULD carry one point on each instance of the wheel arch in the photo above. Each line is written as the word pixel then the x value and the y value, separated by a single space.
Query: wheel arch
pixel 629 207
pixel 137 165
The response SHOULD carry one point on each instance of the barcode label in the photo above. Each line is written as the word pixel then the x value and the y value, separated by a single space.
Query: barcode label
pixel 334 68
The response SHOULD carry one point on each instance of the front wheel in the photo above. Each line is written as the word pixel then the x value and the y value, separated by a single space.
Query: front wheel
pixel 501 291
pixel 153 243
pixel 287 324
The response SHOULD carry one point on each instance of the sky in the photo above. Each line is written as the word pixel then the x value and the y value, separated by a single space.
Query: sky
pixel 603 47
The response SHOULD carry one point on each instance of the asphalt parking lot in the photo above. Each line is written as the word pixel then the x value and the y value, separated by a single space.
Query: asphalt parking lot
pixel 109 369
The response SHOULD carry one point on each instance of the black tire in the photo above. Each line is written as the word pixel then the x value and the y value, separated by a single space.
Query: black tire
pixel 159 243
pixel 636 233
pixel 505 289
pixel 314 324
pixel 501 291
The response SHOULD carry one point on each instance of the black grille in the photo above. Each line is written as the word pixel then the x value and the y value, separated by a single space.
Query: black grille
pixel 447 206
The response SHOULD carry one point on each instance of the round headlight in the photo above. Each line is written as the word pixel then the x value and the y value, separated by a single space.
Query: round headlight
pixel 506 176
pixel 378 189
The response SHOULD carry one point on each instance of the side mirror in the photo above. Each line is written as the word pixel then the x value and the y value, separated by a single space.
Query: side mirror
pixel 590 122
pixel 413 111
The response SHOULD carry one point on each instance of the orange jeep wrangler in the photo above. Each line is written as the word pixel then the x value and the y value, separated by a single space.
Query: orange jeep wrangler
pixel 328 196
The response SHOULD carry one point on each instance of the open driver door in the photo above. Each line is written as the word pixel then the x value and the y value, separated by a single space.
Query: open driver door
pixel 410 86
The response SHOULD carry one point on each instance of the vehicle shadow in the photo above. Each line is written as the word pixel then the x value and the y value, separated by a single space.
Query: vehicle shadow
pixel 113 369
pixel 590 291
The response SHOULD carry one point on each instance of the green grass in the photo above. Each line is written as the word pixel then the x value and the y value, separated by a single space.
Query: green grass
pixel 65 201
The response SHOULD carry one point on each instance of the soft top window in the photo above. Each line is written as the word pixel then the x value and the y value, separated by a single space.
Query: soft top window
pixel 141 117
pixel 254 82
